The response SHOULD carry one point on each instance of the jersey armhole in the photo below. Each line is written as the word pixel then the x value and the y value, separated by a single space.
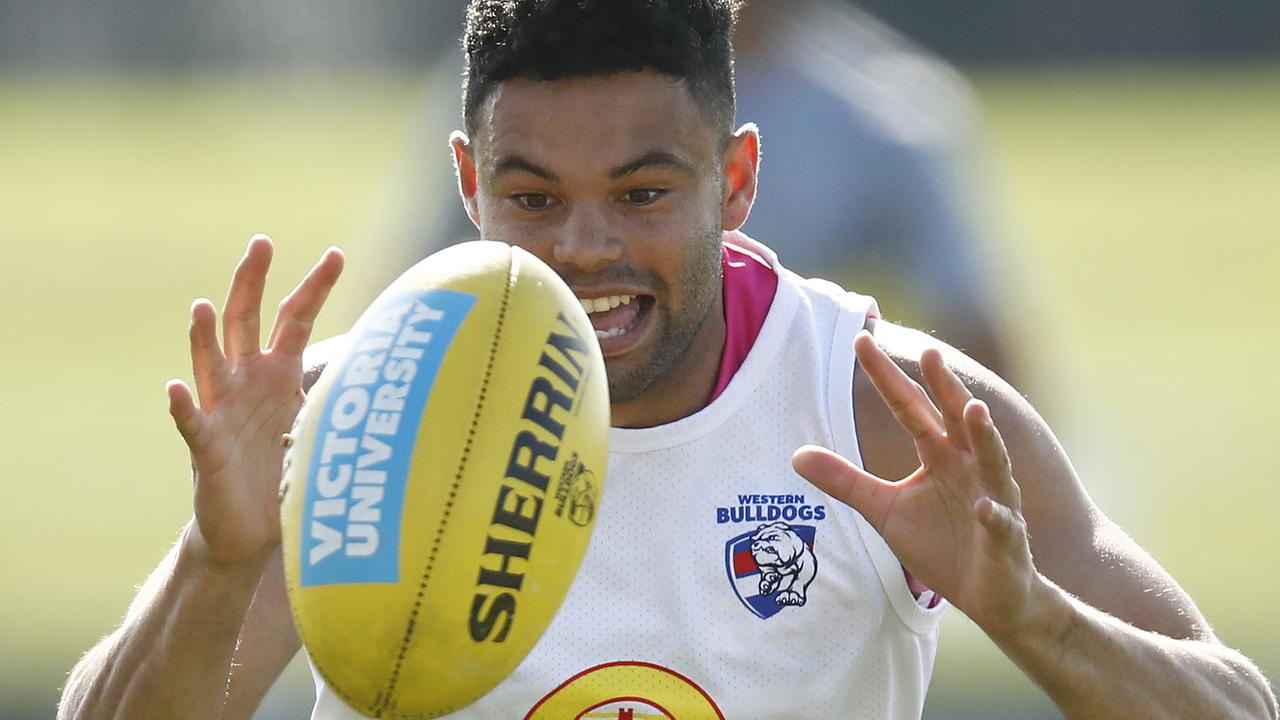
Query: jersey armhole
pixel 840 413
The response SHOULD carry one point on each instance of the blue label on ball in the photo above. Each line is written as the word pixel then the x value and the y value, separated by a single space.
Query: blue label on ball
pixel 365 439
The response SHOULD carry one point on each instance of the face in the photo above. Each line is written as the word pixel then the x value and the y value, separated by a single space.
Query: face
pixel 622 185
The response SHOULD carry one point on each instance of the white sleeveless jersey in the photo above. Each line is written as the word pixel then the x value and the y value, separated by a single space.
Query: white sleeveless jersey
pixel 718 582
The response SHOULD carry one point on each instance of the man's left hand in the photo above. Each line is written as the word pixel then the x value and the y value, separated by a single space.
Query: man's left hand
pixel 956 522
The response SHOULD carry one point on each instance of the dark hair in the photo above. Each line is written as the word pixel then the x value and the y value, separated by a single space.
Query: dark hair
pixel 555 39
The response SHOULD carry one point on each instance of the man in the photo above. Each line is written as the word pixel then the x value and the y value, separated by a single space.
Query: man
pixel 718 584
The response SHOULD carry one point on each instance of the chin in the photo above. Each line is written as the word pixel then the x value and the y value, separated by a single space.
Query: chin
pixel 626 382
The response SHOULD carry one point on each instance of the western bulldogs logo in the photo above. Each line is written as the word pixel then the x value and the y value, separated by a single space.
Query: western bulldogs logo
pixel 771 567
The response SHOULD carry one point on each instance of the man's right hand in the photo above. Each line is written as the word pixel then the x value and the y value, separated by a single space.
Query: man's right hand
pixel 249 397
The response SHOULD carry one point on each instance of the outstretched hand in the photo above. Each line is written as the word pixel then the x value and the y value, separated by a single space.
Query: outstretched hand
pixel 955 522
pixel 249 396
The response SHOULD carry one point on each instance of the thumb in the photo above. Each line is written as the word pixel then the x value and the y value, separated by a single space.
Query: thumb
pixel 846 482
pixel 1004 524
pixel 186 415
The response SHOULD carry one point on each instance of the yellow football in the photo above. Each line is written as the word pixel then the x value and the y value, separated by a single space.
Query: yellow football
pixel 443 480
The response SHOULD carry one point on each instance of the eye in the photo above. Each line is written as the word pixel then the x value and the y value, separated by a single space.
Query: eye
pixel 532 202
pixel 643 196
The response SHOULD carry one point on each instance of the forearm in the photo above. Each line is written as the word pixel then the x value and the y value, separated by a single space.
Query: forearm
pixel 171 656
pixel 1093 665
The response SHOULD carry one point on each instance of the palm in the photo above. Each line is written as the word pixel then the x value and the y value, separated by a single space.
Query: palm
pixel 934 532
pixel 238 464
pixel 955 523
pixel 249 397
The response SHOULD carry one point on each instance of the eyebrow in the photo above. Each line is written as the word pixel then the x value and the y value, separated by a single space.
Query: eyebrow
pixel 518 163
pixel 653 158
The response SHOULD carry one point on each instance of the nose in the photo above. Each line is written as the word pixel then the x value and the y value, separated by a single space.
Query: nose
pixel 587 242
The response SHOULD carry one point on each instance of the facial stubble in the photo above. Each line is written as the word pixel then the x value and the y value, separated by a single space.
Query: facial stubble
pixel 701 277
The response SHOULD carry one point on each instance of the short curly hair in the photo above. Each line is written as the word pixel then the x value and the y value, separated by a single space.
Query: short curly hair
pixel 555 39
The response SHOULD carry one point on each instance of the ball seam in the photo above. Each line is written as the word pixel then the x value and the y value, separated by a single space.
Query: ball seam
pixel 410 627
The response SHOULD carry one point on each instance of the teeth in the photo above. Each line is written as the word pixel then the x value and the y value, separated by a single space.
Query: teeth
pixel 611 332
pixel 602 304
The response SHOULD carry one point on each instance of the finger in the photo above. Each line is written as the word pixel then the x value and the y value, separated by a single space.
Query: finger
pixel 299 309
pixel 904 396
pixel 241 326
pixel 208 364
pixel 948 392
pixel 846 482
pixel 188 417
pixel 990 451
pixel 998 519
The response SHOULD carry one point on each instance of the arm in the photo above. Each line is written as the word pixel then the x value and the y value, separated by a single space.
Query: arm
pixel 1093 620
pixel 172 655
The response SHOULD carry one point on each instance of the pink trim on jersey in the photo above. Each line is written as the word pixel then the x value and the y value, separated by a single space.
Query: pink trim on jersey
pixel 749 286
pixel 918 589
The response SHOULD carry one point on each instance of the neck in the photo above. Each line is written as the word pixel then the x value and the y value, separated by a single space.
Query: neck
pixel 688 387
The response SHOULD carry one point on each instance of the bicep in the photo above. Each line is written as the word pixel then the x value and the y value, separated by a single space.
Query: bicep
pixel 268 641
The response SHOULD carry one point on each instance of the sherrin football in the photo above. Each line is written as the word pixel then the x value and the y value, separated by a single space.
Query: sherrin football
pixel 442 482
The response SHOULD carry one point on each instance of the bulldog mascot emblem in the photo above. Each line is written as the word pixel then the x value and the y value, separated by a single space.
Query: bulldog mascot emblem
pixel 786 563
pixel 772 567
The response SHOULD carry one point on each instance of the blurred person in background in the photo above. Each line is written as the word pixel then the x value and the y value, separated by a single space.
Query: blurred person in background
pixel 872 180
pixel 871 177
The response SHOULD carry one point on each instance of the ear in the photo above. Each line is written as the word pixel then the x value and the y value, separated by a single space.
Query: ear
pixel 464 167
pixel 741 165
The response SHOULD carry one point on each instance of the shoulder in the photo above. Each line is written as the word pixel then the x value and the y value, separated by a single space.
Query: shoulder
pixel 887 450
pixel 1019 423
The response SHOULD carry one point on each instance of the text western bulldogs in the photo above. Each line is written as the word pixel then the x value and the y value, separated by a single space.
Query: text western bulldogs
pixel 770 508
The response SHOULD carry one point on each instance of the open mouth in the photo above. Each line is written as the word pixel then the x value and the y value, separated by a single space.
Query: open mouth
pixel 615 317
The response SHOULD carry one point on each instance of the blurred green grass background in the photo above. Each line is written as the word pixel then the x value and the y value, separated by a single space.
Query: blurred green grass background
pixel 1140 241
